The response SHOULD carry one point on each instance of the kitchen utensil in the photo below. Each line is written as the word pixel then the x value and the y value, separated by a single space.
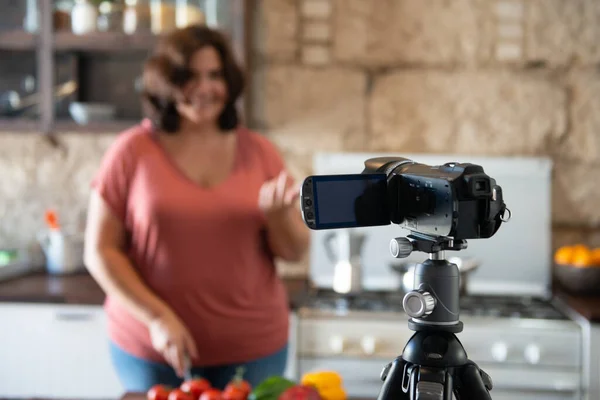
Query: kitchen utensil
pixel 344 249
pixel 187 367
pixel 406 271
pixel 63 251
pixel 12 103
pixel 83 113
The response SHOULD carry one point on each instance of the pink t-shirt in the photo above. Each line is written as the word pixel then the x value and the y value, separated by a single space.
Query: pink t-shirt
pixel 203 251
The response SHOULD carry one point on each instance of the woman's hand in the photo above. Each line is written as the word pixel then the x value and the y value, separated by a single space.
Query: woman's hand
pixel 172 339
pixel 277 195
pixel 287 234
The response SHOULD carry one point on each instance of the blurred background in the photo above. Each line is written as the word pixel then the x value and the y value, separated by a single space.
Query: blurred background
pixel 508 80
pixel 475 77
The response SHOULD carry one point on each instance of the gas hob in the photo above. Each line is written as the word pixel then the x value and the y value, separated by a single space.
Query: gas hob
pixel 472 306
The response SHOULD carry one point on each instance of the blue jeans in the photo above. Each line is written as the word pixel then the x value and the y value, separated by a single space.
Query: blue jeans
pixel 138 375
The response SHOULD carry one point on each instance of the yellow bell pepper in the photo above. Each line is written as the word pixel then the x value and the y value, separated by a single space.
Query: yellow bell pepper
pixel 332 393
pixel 328 384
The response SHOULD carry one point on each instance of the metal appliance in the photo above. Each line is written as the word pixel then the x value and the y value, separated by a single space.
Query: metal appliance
pixel 512 327
pixel 344 249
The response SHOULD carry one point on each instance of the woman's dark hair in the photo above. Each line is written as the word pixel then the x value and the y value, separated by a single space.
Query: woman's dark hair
pixel 167 70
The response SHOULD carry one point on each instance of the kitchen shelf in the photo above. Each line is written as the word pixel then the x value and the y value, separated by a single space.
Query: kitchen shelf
pixel 113 42
pixel 63 126
pixel 17 40
pixel 19 125
pixel 105 65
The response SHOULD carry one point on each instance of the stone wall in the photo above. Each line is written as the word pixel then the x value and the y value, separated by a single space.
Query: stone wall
pixel 481 77
pixel 485 77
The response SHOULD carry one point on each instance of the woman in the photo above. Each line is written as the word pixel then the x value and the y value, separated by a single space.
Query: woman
pixel 187 213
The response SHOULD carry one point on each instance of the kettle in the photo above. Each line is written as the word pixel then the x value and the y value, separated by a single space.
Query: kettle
pixel 344 249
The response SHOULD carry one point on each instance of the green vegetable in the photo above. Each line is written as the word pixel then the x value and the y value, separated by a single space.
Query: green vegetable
pixel 271 388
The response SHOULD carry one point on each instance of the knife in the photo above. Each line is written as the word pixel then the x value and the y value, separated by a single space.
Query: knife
pixel 187 367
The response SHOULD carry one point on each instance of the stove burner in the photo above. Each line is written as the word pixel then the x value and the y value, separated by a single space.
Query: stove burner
pixel 475 305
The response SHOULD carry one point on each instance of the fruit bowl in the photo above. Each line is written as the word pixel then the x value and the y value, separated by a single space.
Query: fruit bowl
pixel 578 280
pixel 577 269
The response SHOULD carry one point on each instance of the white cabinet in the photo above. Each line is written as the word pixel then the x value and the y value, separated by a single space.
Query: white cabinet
pixel 55 351
pixel 62 351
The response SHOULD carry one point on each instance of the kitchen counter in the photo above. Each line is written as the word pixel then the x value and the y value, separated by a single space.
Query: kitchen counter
pixel 81 289
pixel 142 396
pixel 587 306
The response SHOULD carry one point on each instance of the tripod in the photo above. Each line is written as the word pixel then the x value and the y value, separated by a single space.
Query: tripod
pixel 434 364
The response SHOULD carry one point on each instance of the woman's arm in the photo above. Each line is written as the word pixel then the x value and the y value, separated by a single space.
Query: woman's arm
pixel 287 234
pixel 110 267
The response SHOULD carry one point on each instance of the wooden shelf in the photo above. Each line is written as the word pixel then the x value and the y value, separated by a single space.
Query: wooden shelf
pixel 17 40
pixel 65 126
pixel 113 42
pixel 19 125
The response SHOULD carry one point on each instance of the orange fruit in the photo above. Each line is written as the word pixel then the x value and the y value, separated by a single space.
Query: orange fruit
pixel 563 255
pixel 582 256
pixel 596 257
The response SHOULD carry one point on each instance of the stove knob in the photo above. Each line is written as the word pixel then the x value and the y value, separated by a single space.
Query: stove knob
pixel 418 304
pixel 369 345
pixel 532 353
pixel 499 351
pixel 337 344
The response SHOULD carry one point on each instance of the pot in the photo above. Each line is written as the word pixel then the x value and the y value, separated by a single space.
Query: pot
pixel 406 271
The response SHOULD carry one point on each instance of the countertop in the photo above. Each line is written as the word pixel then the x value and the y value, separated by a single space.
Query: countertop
pixel 142 396
pixel 81 289
pixel 587 306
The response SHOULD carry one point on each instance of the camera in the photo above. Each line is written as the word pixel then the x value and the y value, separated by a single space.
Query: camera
pixel 442 206
pixel 456 200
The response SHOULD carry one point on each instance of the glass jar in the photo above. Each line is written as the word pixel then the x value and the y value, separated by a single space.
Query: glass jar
pixel 163 16
pixel 111 17
pixel 136 16
pixel 188 12
pixel 83 17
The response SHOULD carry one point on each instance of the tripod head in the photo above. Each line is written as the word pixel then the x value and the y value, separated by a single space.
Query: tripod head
pixel 434 301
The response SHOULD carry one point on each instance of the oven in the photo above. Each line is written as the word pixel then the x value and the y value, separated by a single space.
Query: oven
pixel 529 348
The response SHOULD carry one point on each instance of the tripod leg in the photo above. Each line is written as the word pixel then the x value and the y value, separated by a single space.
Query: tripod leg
pixel 395 377
pixel 475 384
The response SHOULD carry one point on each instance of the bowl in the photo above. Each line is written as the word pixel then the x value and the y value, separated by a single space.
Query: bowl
pixel 84 113
pixel 584 281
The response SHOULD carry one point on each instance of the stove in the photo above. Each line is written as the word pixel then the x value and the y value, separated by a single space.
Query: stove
pixel 528 345
pixel 471 306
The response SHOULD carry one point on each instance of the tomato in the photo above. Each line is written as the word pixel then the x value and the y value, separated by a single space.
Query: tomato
pixel 300 392
pixel 241 386
pixel 195 386
pixel 211 394
pixel 234 393
pixel 178 394
pixel 158 392
pixel 238 383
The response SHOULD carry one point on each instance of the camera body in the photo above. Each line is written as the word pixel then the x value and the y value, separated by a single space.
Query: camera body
pixel 457 200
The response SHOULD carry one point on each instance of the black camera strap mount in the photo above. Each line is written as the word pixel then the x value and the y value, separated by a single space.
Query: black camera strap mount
pixel 434 364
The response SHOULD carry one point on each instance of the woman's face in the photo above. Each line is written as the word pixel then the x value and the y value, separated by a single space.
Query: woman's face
pixel 205 94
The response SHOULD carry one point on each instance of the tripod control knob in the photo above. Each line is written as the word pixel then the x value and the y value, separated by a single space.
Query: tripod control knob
pixel 401 247
pixel 418 304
